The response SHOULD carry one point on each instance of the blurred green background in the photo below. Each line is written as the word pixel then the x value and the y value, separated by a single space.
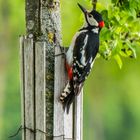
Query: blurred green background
pixel 111 94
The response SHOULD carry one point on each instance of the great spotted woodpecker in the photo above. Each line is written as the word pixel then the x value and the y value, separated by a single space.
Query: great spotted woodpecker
pixel 81 54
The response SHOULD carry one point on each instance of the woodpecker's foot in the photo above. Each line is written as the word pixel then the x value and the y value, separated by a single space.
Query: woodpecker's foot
pixel 62 49
pixel 63 53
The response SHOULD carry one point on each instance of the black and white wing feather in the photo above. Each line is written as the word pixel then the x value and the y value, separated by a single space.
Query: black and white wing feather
pixel 85 50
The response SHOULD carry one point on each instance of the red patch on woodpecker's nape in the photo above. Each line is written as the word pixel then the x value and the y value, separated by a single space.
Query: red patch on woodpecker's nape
pixel 101 24
pixel 69 71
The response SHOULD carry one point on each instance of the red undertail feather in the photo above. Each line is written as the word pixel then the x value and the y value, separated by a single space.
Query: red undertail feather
pixel 69 71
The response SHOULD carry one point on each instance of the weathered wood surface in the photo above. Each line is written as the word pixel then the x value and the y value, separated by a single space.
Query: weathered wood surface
pixel 40 84
pixel 60 78
pixel 65 126
pixel 22 88
pixel 63 122
pixel 29 88
pixel 78 117
pixel 68 124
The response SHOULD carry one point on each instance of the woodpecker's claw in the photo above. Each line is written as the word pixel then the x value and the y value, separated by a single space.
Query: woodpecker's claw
pixel 60 54
pixel 63 53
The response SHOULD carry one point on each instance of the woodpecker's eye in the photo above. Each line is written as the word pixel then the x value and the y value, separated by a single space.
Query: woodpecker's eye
pixel 90 15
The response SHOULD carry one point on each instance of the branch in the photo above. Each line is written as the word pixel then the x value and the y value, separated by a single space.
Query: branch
pixel 94 2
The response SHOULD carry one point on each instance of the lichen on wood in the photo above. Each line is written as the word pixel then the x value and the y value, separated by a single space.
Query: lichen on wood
pixel 32 8
pixel 50 30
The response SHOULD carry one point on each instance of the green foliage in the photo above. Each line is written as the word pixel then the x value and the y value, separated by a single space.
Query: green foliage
pixel 121 34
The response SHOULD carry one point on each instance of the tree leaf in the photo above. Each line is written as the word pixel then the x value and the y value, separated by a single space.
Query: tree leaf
pixel 118 60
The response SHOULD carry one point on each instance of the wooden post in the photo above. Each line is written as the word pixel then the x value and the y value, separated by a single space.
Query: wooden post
pixel 43 77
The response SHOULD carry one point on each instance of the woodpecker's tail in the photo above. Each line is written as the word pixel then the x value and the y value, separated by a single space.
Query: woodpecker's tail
pixel 67 96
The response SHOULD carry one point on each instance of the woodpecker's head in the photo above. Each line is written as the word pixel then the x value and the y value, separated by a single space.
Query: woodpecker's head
pixel 92 18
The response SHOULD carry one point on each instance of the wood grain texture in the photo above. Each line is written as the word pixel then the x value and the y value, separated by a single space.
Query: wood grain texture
pixel 68 121
pixel 22 88
pixel 78 117
pixel 68 124
pixel 63 122
pixel 40 85
pixel 60 81
pixel 29 87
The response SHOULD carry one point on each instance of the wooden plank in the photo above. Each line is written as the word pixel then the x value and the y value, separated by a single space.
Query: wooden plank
pixel 60 81
pixel 68 124
pixel 63 122
pixel 78 117
pixel 29 87
pixel 22 92
pixel 40 83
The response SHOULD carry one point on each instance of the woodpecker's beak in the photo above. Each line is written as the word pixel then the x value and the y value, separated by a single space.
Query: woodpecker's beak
pixel 82 8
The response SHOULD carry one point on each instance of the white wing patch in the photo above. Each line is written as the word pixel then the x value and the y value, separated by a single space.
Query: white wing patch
pixel 79 65
pixel 83 58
